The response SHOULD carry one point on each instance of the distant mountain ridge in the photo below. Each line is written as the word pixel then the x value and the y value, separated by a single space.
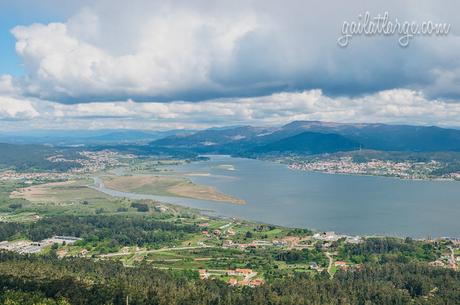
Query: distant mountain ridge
pixel 310 143
pixel 298 137
pixel 388 137
pixel 312 137
pixel 86 137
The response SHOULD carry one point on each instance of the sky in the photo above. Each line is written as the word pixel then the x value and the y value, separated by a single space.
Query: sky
pixel 196 64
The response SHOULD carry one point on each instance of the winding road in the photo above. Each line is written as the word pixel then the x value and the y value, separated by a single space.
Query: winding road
pixel 331 261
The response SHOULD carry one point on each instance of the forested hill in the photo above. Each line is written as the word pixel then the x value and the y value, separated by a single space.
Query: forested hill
pixel 34 157
pixel 310 142
pixel 316 137
pixel 48 280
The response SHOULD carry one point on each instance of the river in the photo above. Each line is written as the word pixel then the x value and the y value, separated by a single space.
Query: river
pixel 349 204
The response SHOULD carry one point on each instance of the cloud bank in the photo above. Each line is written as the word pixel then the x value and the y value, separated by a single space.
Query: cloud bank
pixel 196 64
pixel 197 50
pixel 391 106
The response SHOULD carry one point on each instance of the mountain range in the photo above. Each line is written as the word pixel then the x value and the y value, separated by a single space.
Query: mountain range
pixel 27 150
pixel 315 137
pixel 299 137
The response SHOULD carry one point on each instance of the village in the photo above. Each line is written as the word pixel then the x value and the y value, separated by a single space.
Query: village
pixel 89 162
pixel 241 239
pixel 232 238
pixel 346 165
pixel 328 242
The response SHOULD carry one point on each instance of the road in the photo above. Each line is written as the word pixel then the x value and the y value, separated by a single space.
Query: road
pixel 331 261
pixel 453 262
pixel 155 251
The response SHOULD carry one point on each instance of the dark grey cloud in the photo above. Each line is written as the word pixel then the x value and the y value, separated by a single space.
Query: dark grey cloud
pixel 197 50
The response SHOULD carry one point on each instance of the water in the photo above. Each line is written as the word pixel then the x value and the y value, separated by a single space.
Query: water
pixel 343 203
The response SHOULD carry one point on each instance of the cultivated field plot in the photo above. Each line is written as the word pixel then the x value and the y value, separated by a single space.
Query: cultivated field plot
pixel 68 197
pixel 55 192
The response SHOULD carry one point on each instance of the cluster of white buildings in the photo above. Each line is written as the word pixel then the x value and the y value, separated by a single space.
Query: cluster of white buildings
pixel 95 160
pixel 345 165
pixel 22 246
pixel 31 177
pixel 92 162
pixel 30 247
pixel 332 236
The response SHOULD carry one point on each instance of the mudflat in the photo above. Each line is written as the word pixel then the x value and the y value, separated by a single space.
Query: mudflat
pixel 167 186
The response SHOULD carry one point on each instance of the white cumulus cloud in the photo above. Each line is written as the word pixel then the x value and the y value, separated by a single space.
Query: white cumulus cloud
pixel 17 109
pixel 196 50
pixel 399 106
pixel 169 51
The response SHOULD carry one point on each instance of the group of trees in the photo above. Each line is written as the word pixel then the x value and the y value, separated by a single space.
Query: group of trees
pixel 141 207
pixel 35 157
pixel 124 230
pixel 304 255
pixel 83 281
pixel 389 249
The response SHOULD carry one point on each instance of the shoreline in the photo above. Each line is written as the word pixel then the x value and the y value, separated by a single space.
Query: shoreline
pixel 211 194
pixel 218 215
pixel 289 166
pixel 318 226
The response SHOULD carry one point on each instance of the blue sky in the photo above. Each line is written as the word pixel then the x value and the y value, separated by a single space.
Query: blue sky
pixel 161 65
pixel 13 13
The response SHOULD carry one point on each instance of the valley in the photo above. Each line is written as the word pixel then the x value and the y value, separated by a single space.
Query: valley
pixel 246 223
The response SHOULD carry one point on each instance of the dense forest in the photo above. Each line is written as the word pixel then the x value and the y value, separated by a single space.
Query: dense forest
pixel 384 249
pixel 83 281
pixel 119 230
pixel 33 157
pixel 295 256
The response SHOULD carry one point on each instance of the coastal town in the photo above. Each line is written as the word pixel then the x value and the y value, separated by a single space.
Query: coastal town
pixel 93 161
pixel 346 165
pixel 87 162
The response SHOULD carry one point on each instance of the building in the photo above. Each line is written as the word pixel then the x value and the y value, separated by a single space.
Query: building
pixel 291 241
pixel 353 239
pixel 61 253
pixel 262 243
pixel 256 282
pixel 61 240
pixel 227 243
pixel 279 243
pixel 243 272
pixel 326 236
pixel 340 264
pixel 436 263
pixel 240 272
pixel 203 274
pixel 160 208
